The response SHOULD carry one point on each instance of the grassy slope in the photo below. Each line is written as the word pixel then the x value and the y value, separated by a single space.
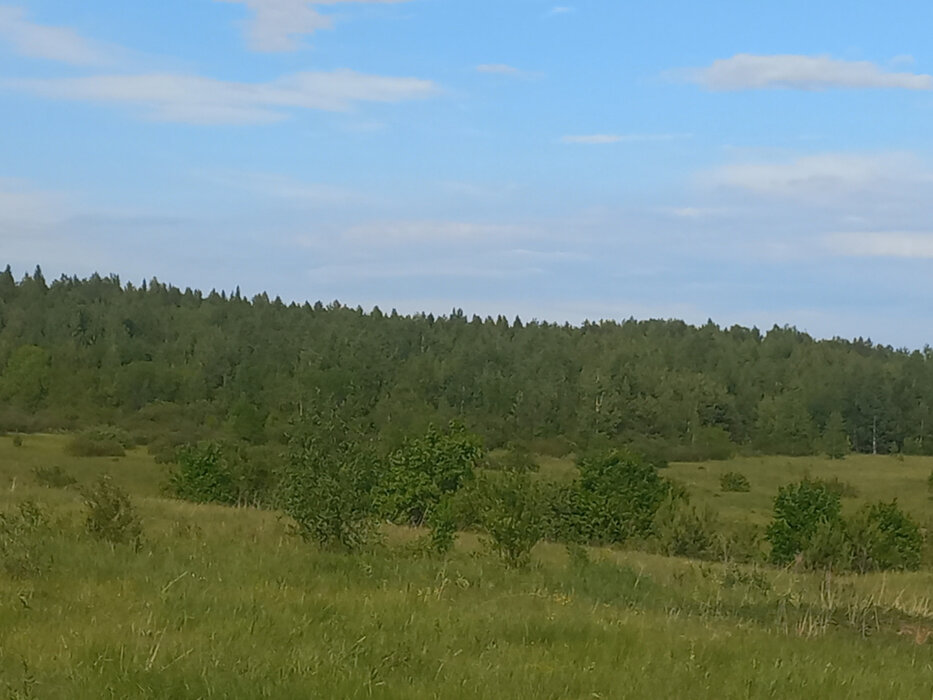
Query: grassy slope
pixel 222 603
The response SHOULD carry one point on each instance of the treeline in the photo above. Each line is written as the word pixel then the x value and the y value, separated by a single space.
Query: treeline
pixel 178 365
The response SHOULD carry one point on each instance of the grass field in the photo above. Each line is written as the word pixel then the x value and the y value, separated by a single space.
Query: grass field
pixel 223 603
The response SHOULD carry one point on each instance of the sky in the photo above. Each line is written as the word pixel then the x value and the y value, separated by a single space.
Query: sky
pixel 752 163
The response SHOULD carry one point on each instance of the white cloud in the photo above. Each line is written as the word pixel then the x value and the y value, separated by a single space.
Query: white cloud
pixel 431 269
pixel 792 71
pixel 877 244
pixel 22 206
pixel 198 100
pixel 820 175
pixel 42 41
pixel 602 139
pixel 277 24
pixel 560 10
pixel 281 187
pixel 499 69
pixel 394 232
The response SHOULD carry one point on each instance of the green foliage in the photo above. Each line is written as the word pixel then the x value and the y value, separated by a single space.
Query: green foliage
pixel 617 496
pixel 17 441
pixel 835 439
pixel 26 379
pixel 930 484
pixel 53 477
pixel 841 488
pixel 884 537
pixel 512 516
pixel 442 521
pixel 94 444
pixel 203 475
pixel 784 425
pixel 799 510
pixel 426 469
pixel 328 483
pixel 516 458
pixel 248 422
pixel 680 530
pixel 110 515
pixel 22 534
pixel 735 482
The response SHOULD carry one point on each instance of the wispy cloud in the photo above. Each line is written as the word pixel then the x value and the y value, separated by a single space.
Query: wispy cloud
pixel 278 25
pixel 24 206
pixel 793 71
pixel 560 10
pixel 431 231
pixel 881 244
pixel 815 176
pixel 500 69
pixel 199 100
pixel 47 42
pixel 603 139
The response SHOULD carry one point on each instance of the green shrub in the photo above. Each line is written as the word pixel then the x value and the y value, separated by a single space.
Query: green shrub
pixel 828 548
pixel 512 516
pixel 17 441
pixel 110 515
pixel 842 488
pixel 516 458
pixel 327 484
pixel 680 530
pixel 426 469
pixel 930 484
pixel 735 482
pixel 203 475
pixel 617 496
pixel 22 535
pixel 442 522
pixel 884 537
pixel 799 509
pixel 94 444
pixel 53 477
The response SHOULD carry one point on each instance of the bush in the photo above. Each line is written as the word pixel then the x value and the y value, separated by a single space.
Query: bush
pixel 617 496
pixel 203 475
pixel 22 534
pixel 735 482
pixel 841 488
pixel 327 484
pixel 17 441
pixel 94 445
pixel 799 509
pixel 443 525
pixel 828 548
pixel 680 530
pixel 426 469
pixel 516 458
pixel 884 537
pixel 53 477
pixel 512 516
pixel 930 484
pixel 110 514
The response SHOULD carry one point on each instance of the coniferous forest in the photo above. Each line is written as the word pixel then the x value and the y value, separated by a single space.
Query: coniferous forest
pixel 187 365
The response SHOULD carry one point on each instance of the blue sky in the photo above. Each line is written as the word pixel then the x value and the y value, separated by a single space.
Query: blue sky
pixel 753 163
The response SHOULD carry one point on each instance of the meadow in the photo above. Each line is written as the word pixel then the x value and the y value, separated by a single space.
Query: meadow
pixel 222 602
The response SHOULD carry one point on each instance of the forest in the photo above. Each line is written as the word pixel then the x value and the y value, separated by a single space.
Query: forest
pixel 176 366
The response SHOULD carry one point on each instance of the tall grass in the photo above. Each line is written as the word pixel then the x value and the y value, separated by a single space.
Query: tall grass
pixel 222 603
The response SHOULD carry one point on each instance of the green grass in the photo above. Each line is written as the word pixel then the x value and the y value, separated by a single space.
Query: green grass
pixel 223 603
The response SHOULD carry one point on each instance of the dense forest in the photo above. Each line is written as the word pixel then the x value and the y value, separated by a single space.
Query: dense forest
pixel 156 359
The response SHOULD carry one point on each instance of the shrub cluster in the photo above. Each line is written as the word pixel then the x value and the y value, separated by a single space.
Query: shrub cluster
pixel 53 477
pixel 808 528
pixel 99 442
pixel 110 515
pixel 734 481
